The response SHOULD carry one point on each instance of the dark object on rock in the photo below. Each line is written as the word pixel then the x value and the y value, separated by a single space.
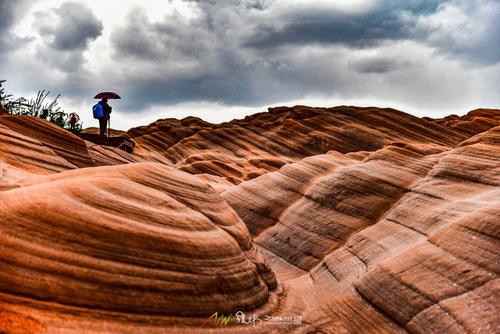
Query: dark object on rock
pixel 122 143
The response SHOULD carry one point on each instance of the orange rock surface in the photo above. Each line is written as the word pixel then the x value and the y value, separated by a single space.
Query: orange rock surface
pixel 476 121
pixel 244 149
pixel 357 220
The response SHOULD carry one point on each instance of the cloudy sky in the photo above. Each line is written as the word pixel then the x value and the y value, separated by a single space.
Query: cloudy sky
pixel 224 59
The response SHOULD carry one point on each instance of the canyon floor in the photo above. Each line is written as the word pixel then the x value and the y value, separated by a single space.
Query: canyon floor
pixel 330 220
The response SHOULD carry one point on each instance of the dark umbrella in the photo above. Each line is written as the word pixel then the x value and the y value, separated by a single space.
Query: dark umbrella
pixel 109 95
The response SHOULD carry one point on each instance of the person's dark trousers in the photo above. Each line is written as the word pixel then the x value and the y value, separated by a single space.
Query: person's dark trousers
pixel 102 126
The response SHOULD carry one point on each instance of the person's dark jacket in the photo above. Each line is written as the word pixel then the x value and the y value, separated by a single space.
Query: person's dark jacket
pixel 107 109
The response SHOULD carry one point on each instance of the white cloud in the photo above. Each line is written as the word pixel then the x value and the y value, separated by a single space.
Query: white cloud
pixel 341 6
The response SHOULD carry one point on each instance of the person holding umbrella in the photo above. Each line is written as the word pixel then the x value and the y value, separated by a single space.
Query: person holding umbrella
pixel 105 120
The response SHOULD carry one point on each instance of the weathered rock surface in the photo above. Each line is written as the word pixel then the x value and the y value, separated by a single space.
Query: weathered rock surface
pixel 244 149
pixel 366 220
pixel 36 146
pixel 476 121
pixel 138 238
pixel 399 241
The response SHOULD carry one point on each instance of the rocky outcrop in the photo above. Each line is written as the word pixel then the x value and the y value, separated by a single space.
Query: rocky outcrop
pixel 476 121
pixel 336 202
pixel 356 219
pixel 244 149
pixel 401 240
pixel 138 238
pixel 37 146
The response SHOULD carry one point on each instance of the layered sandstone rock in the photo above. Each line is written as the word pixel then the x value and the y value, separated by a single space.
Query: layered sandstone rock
pixel 138 238
pixel 400 241
pixel 37 146
pixel 476 121
pixel 335 204
pixel 244 149
pixel 366 220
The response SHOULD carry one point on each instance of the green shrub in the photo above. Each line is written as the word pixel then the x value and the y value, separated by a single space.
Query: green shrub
pixel 38 107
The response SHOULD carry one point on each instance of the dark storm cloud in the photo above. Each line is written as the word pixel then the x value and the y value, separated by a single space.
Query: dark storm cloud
pixel 258 52
pixel 466 29
pixel 242 51
pixel 10 12
pixel 173 38
pixel 66 32
pixel 69 27
pixel 329 26
pixel 189 60
pixel 7 11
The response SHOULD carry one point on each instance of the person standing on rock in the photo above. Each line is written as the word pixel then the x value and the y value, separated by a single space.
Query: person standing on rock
pixel 102 111
pixel 103 122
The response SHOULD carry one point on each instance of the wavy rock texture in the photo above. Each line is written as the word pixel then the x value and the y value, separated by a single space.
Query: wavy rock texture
pixel 37 146
pixel 137 238
pixel 400 241
pixel 335 204
pixel 244 149
pixel 359 220
pixel 476 121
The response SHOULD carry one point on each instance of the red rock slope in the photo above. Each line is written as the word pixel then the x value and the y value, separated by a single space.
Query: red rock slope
pixel 38 146
pixel 401 240
pixel 359 220
pixel 131 241
pixel 476 121
pixel 244 149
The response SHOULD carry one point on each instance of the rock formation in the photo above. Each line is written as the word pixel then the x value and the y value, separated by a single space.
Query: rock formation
pixel 244 149
pixel 115 237
pixel 416 236
pixel 476 121
pixel 355 219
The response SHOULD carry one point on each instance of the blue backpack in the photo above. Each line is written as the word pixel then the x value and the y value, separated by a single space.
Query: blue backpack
pixel 98 110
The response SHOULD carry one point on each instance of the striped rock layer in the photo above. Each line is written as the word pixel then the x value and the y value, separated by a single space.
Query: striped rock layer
pixel 354 219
